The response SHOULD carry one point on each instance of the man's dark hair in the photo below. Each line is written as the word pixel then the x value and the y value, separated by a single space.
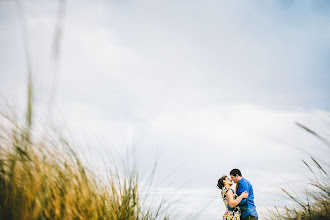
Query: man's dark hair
pixel 235 172
pixel 220 182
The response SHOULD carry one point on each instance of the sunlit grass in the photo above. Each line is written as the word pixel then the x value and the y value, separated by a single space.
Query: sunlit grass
pixel 41 177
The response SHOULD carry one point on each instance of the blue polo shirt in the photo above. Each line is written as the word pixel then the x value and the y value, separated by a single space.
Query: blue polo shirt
pixel 247 205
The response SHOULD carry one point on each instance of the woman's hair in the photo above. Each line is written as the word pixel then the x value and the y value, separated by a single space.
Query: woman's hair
pixel 220 181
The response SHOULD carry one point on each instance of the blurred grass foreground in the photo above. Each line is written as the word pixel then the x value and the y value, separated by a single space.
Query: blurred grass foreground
pixel 41 177
pixel 314 204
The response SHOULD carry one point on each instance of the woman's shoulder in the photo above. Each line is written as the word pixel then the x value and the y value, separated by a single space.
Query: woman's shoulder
pixel 225 190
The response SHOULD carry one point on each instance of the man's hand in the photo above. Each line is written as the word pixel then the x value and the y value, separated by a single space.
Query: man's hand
pixel 245 194
pixel 226 212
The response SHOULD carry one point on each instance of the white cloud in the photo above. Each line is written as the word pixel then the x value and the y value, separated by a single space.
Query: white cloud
pixel 193 82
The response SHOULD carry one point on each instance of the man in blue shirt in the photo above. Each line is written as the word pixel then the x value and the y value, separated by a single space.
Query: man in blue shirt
pixel 248 209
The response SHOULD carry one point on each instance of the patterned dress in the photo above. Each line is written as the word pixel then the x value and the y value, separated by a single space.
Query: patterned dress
pixel 234 214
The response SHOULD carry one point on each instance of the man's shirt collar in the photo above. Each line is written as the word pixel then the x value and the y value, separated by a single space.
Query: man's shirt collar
pixel 239 182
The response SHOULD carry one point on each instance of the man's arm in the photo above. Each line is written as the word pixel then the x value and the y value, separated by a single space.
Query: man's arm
pixel 242 188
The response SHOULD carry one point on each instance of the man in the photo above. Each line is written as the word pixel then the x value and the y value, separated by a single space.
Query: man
pixel 248 209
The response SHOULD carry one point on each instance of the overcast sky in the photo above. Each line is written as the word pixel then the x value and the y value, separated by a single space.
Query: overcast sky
pixel 204 86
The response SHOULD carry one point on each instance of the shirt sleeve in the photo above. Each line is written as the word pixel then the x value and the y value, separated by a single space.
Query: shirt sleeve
pixel 241 188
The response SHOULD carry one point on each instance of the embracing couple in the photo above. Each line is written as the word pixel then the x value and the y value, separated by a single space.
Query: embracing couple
pixel 240 204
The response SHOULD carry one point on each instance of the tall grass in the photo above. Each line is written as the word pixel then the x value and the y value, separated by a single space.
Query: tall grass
pixel 41 177
pixel 314 204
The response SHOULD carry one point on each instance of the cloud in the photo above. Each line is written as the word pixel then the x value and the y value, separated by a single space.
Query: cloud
pixel 197 83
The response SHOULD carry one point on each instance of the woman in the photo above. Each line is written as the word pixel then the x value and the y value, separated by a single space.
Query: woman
pixel 230 198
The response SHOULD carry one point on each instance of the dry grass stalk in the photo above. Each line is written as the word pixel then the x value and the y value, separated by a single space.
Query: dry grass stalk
pixel 45 179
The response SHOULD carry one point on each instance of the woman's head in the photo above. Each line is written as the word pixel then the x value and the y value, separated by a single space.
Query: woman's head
pixel 224 181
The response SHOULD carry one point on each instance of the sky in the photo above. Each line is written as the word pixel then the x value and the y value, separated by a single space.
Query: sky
pixel 200 87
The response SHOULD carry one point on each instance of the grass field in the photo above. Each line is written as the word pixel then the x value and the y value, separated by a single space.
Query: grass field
pixel 314 203
pixel 41 177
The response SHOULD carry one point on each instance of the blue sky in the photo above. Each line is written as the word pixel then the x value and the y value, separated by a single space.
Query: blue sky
pixel 203 86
